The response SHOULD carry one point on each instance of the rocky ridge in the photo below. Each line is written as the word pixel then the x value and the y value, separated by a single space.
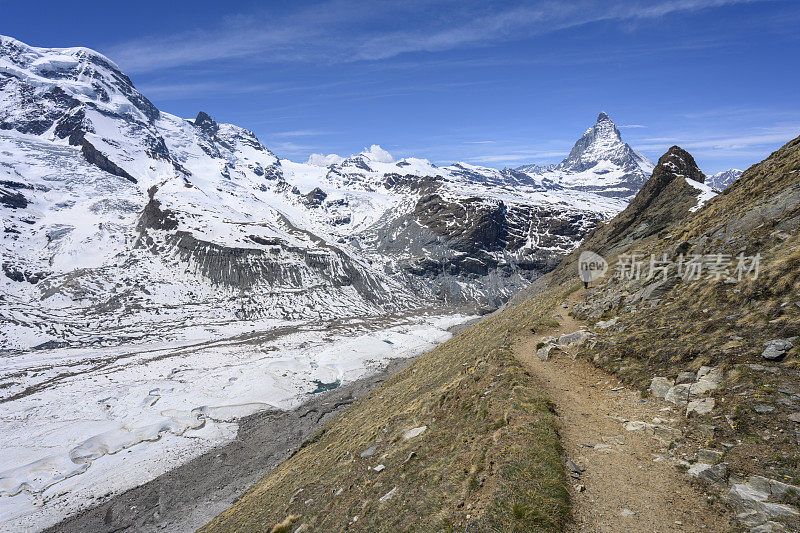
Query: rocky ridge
pixel 720 346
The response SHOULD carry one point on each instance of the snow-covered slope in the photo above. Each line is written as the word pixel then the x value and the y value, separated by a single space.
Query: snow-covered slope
pixel 122 221
pixel 599 162
pixel 720 180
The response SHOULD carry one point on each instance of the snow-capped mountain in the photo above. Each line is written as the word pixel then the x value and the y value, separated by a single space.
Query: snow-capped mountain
pixel 123 221
pixel 599 162
pixel 720 180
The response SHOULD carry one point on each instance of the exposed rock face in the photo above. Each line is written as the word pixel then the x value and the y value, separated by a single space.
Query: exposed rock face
pixel 10 198
pixel 473 250
pixel 96 157
pixel 660 386
pixel 315 197
pixel 664 199
pixel 602 139
pixel 206 124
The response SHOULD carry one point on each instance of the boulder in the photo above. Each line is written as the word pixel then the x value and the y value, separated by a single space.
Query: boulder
pixel 708 378
pixel 743 493
pixel 666 434
pixel 369 452
pixel 713 474
pixel 775 349
pixel 411 433
pixel 702 386
pixel 772 486
pixel 704 371
pixel 679 394
pixel 702 406
pixel 543 353
pixel 659 386
pixel 750 499
pixel 685 377
pixel 777 510
pixel 637 425
pixel 769 527
pixel 389 495
pixel 605 324
pixel 575 338
pixel 708 456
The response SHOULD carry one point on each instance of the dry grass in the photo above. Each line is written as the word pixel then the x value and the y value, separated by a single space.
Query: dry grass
pixel 726 324
pixel 490 455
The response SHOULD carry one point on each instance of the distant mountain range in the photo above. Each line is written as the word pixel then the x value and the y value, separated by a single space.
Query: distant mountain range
pixel 119 217
pixel 720 180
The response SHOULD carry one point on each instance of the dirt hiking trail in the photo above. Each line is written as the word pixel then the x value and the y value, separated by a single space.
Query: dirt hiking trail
pixel 628 482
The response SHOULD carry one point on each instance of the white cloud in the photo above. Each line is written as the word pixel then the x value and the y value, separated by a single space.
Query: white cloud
pixel 321 160
pixel 303 133
pixel 515 156
pixel 166 91
pixel 378 154
pixel 343 30
pixel 760 137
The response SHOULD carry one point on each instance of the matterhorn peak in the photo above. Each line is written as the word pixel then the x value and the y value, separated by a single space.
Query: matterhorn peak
pixel 602 141
pixel 603 117
pixel 600 161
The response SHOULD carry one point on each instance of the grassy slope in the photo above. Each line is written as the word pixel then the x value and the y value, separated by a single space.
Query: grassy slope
pixel 723 324
pixel 490 455
pixel 495 454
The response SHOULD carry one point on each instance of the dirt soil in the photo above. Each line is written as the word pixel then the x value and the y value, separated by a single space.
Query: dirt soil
pixel 625 485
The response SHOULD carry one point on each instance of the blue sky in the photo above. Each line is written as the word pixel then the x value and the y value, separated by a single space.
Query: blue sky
pixel 491 83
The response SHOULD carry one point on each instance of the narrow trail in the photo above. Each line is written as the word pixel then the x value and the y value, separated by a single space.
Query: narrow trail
pixel 626 485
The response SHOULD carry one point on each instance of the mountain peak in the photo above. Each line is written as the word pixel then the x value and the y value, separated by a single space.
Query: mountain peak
pixel 601 141
pixel 720 180
pixel 679 162
pixel 602 152
pixel 206 123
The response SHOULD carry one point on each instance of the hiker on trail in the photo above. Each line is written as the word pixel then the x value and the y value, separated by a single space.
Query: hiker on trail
pixel 586 277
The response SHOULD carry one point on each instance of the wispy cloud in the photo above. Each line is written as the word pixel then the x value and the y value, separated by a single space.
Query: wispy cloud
pixel 757 137
pixel 715 152
pixel 516 156
pixel 303 133
pixel 631 126
pixel 343 30
pixel 167 91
